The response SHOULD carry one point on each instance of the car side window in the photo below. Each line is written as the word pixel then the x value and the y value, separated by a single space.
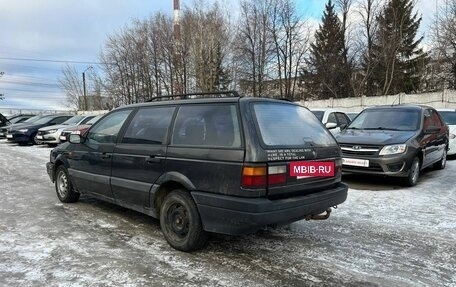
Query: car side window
pixel 207 125
pixel 332 118
pixel 149 126
pixel 107 129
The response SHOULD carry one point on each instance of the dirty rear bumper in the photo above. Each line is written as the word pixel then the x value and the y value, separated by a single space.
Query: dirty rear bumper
pixel 236 215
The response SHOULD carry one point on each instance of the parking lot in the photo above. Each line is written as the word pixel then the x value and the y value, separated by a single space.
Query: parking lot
pixel 383 235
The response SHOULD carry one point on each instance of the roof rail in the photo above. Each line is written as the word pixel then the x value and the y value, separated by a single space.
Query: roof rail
pixel 202 95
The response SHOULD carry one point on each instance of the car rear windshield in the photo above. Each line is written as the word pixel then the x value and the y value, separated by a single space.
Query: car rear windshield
pixel 290 125
pixel 449 117
pixel 387 119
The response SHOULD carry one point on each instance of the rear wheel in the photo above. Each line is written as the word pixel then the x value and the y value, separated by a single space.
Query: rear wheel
pixel 442 162
pixel 63 186
pixel 414 173
pixel 181 223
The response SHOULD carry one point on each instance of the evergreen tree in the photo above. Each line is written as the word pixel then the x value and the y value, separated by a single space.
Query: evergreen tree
pixel 329 75
pixel 399 62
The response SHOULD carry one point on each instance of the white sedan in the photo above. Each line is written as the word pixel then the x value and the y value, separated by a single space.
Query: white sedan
pixel 334 120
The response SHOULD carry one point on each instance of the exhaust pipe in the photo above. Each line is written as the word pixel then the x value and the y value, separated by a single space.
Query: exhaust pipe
pixel 321 216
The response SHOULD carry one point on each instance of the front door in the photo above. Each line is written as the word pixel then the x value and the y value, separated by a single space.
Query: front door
pixel 91 161
pixel 139 159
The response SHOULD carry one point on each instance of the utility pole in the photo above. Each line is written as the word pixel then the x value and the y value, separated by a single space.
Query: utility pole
pixel 84 87
pixel 2 96
pixel 178 89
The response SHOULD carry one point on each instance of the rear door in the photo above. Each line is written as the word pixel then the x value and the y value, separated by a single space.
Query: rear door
pixel 139 158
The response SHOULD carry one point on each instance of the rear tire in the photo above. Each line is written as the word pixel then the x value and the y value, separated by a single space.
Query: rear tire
pixel 63 186
pixel 441 164
pixel 180 222
pixel 414 173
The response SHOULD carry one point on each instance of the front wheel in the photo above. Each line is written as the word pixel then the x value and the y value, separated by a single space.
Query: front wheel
pixel 414 173
pixel 180 222
pixel 63 186
pixel 34 140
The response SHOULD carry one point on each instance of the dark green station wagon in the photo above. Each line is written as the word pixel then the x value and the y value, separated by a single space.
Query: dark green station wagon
pixel 204 163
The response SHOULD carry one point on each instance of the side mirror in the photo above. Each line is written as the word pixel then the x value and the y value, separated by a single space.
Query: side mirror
pixel 343 127
pixel 330 126
pixel 75 139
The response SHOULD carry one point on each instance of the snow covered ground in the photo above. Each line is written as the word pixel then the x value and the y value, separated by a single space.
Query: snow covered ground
pixel 383 235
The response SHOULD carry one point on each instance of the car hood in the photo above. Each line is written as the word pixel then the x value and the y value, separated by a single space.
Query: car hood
pixel 15 126
pixel 48 128
pixel 374 137
pixel 28 126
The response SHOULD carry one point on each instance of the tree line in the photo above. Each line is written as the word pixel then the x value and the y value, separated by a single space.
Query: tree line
pixel 360 47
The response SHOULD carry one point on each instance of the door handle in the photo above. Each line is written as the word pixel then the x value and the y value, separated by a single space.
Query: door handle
pixel 105 155
pixel 154 159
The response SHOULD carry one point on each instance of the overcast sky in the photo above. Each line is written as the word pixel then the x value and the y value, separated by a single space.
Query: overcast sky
pixel 75 30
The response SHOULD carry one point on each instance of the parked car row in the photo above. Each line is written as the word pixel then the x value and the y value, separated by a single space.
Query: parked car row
pixel 43 129
pixel 231 164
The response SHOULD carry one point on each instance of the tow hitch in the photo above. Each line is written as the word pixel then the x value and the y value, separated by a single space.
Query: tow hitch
pixel 321 216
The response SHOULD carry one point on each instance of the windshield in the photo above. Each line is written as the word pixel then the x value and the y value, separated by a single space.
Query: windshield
pixel 33 119
pixel 290 125
pixel 387 119
pixel 16 119
pixel 319 114
pixel 94 120
pixel 449 117
pixel 73 121
pixel 43 120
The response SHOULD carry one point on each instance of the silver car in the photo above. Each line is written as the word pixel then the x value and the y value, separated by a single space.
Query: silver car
pixel 51 135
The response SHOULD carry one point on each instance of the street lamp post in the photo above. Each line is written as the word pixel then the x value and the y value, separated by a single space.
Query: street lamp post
pixel 84 87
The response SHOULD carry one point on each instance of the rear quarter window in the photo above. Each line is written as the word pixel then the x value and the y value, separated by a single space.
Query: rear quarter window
pixel 207 125
pixel 290 125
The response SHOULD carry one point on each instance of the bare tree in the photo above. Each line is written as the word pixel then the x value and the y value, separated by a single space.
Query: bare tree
pixel 254 45
pixel 444 36
pixel 291 42
pixel 207 44
pixel 362 81
pixel 72 85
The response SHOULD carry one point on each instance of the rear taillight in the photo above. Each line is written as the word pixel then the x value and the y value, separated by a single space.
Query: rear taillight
pixel 254 177
pixel 261 177
pixel 277 174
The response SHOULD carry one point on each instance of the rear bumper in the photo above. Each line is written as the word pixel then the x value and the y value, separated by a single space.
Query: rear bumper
pixel 236 215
